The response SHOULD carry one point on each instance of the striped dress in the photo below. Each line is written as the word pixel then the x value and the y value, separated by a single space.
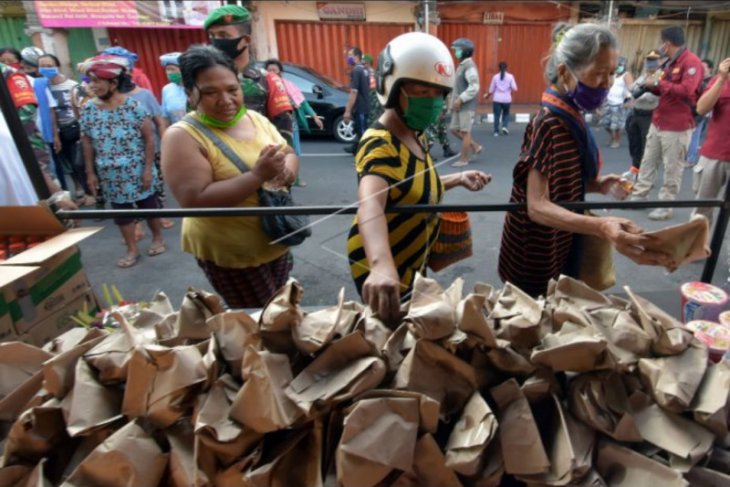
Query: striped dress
pixel 531 254
pixel 412 181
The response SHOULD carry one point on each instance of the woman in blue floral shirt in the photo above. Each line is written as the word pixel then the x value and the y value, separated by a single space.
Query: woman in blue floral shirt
pixel 119 147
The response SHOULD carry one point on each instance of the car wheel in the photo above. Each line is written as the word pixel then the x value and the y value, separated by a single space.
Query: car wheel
pixel 343 131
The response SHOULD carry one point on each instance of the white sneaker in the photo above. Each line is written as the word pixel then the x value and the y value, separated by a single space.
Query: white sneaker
pixel 661 214
pixel 505 131
pixel 496 134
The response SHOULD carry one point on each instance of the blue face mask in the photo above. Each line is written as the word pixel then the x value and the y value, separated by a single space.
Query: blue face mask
pixel 48 72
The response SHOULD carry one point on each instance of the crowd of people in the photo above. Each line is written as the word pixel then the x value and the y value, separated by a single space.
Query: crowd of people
pixel 227 134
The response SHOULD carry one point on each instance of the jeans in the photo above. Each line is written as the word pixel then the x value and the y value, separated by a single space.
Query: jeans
pixel 360 121
pixel 296 140
pixel 501 111
pixel 698 138
pixel 57 166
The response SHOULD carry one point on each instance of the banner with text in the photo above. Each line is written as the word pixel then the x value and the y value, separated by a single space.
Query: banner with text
pixel 171 14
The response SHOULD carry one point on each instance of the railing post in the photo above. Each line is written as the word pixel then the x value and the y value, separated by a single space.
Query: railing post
pixel 717 237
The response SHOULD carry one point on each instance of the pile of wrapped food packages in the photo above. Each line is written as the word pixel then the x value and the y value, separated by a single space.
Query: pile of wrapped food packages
pixel 485 389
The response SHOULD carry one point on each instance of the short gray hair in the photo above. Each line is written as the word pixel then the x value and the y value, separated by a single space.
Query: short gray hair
pixel 577 47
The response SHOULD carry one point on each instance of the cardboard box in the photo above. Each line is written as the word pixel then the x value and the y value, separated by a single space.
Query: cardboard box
pixel 60 321
pixel 45 280
pixel 8 294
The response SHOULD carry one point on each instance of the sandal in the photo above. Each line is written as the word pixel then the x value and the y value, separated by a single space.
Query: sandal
pixel 167 224
pixel 128 261
pixel 157 249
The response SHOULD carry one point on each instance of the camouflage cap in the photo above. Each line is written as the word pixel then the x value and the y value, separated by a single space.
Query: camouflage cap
pixel 228 14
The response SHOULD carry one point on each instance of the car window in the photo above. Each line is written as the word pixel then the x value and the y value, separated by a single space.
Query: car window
pixel 303 84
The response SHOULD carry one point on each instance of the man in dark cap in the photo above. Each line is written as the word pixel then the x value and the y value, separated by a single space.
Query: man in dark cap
pixel 672 120
pixel 229 30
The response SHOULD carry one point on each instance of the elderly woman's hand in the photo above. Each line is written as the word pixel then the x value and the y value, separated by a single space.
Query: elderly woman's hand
pixel 270 163
pixel 626 236
pixel 474 180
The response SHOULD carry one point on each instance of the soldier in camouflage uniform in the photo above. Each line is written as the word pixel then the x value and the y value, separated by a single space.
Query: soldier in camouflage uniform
pixel 229 29
pixel 376 109
pixel 25 102
pixel 439 132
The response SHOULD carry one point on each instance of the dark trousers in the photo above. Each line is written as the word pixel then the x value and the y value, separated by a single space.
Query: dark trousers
pixel 501 115
pixel 637 126
pixel 360 120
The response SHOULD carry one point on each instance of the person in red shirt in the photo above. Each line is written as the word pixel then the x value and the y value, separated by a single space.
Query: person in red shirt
pixel 672 120
pixel 713 168
pixel 279 107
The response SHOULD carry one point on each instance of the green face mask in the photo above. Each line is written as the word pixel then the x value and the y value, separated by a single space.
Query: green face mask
pixel 422 112
pixel 214 122
pixel 174 78
pixel 457 53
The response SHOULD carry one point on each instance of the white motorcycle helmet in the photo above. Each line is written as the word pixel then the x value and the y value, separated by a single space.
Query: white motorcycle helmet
pixel 415 56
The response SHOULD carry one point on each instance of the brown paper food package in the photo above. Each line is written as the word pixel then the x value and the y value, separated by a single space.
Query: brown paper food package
pixel 345 369
pixel 621 467
pixel 520 317
pixel 19 362
pixel 317 329
pixel 506 359
pixel 522 447
pixel 671 432
pixel 72 338
pixel 429 465
pixel 683 243
pixel 600 400
pixel 197 307
pixel 35 434
pixel 20 399
pixel 261 405
pixel 14 476
pixel 471 316
pixel 374 330
pixel 573 349
pixel 182 468
pixel 58 372
pixel 569 444
pixel 626 341
pixel 673 381
pixel 161 383
pixel 431 370
pixel 128 458
pixel 235 331
pixel 432 311
pixel 279 316
pixel 471 435
pixel 669 337
pixel 219 437
pixel 710 405
pixel 90 405
pixel 379 436
pixel 396 348
pixel 291 461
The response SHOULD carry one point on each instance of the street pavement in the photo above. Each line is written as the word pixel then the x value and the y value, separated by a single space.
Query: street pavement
pixel 320 264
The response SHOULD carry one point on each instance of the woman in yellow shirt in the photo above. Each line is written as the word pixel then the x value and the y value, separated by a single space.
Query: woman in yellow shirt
pixel 395 168
pixel 234 252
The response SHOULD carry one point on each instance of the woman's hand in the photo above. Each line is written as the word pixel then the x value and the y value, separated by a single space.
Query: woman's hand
pixel 318 122
pixel 93 182
pixel 615 185
pixel 57 146
pixel 626 236
pixel 270 163
pixel 381 291
pixel 474 180
pixel 146 178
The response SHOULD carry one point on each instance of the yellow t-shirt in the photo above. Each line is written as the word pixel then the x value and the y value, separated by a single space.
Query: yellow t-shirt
pixel 234 242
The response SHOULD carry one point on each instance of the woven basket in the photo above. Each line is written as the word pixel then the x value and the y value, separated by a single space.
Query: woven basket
pixel 453 243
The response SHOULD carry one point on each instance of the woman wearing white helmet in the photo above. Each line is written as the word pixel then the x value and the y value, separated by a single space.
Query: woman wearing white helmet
pixel 394 167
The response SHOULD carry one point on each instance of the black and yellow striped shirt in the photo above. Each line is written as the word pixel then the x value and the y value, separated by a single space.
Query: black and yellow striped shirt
pixel 411 181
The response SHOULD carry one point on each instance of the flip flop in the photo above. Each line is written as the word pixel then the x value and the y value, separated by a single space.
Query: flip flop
pixel 157 249
pixel 479 150
pixel 460 164
pixel 127 261
pixel 167 224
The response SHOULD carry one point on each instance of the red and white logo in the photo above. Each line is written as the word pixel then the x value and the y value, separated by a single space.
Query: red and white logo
pixel 443 69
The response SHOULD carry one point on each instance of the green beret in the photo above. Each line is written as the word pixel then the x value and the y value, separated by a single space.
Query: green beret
pixel 228 14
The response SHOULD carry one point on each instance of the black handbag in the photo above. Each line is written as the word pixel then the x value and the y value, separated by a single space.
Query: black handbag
pixel 289 230
pixel 70 133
